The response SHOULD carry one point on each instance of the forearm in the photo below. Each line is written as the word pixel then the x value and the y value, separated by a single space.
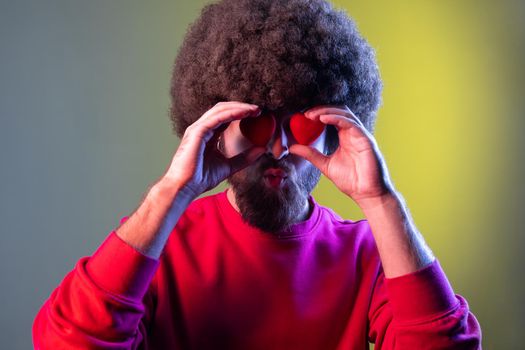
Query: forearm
pixel 401 246
pixel 149 227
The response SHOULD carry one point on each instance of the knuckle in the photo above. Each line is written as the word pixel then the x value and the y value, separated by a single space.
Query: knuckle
pixel 189 129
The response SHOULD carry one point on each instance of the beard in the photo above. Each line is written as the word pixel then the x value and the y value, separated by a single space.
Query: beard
pixel 273 210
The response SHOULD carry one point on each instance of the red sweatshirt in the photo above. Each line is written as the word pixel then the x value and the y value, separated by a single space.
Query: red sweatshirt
pixel 222 284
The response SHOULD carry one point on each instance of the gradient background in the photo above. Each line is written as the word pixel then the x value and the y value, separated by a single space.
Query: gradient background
pixel 85 132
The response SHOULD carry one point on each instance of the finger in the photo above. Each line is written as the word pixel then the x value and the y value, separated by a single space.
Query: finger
pixel 342 123
pixel 318 159
pixel 328 109
pixel 355 117
pixel 245 158
pixel 229 115
pixel 221 109
pixel 203 134
pixel 222 106
pixel 338 121
pixel 206 128
pixel 359 136
pixel 343 110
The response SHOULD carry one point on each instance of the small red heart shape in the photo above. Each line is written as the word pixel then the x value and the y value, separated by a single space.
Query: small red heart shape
pixel 305 130
pixel 258 130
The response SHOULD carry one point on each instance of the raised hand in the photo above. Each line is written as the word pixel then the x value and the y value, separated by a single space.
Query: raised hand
pixel 197 165
pixel 357 167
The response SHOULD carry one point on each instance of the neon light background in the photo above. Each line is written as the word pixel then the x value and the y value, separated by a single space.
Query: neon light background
pixel 83 105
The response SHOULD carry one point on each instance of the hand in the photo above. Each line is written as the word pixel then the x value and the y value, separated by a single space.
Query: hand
pixel 357 167
pixel 197 165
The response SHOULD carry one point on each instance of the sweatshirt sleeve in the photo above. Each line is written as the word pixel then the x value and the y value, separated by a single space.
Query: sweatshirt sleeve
pixel 420 311
pixel 103 303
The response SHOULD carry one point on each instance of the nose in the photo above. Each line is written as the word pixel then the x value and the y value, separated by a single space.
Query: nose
pixel 277 147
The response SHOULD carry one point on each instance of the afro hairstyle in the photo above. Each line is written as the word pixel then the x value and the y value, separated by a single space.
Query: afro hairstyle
pixel 277 54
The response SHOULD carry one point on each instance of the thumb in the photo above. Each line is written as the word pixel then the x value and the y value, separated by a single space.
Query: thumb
pixel 318 159
pixel 245 158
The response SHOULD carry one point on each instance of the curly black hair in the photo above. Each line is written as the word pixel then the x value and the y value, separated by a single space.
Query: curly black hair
pixel 278 54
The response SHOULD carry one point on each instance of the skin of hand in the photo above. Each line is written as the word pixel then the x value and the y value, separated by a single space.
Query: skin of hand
pixel 357 167
pixel 197 165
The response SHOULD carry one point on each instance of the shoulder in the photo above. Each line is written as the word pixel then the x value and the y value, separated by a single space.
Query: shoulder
pixel 331 218
pixel 352 232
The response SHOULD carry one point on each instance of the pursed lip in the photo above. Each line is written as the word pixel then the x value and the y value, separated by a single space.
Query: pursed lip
pixel 276 172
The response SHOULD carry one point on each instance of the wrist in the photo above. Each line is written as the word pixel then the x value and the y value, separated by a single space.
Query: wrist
pixel 149 227
pixel 373 203
pixel 169 188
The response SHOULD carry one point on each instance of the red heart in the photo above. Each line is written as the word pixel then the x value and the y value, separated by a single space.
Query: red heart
pixel 305 130
pixel 258 130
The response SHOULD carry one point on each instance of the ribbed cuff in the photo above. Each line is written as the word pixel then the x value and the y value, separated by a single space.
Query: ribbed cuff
pixel 119 269
pixel 420 295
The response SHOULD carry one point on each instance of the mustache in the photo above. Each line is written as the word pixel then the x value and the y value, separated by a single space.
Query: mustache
pixel 266 162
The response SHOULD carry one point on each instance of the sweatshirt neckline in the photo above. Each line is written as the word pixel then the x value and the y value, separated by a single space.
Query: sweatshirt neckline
pixel 298 230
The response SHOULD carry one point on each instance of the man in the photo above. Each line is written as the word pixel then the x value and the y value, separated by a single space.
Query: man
pixel 262 265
